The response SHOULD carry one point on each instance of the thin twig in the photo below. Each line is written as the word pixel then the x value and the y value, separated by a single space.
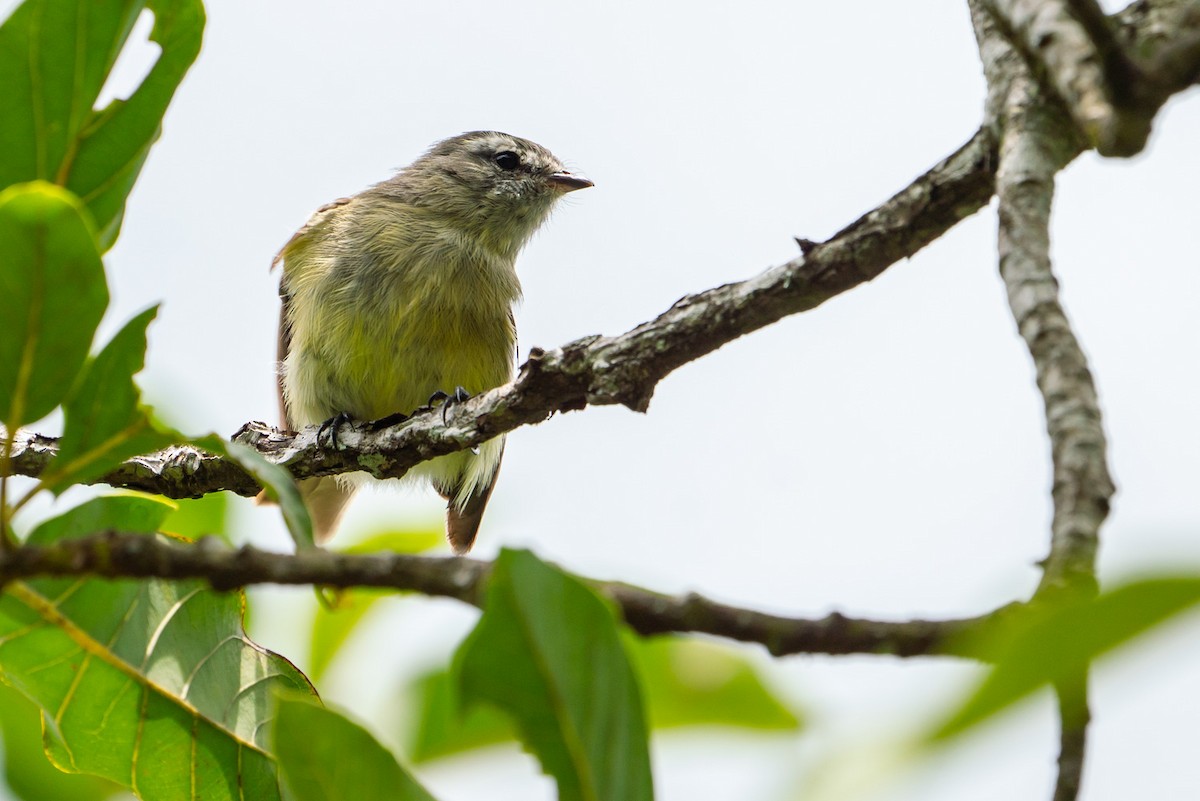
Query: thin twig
pixel 1074 716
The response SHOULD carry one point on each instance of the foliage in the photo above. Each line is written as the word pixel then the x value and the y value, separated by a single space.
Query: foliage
pixel 54 59
pixel 324 756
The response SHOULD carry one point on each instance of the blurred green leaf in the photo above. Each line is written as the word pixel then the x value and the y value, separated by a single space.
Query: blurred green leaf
pixel 52 296
pixel 1052 642
pixel 105 423
pixel 324 756
pixel 547 652
pixel 153 684
pixel 195 517
pixel 414 541
pixel 441 727
pixel 280 487
pixel 333 625
pixel 694 683
pixel 28 773
pixel 131 512
pixel 55 56
pixel 685 683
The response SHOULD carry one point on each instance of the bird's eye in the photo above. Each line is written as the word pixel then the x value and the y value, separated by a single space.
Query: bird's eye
pixel 507 160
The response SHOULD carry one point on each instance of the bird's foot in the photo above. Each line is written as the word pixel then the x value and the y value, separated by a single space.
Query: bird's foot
pixel 448 400
pixel 331 427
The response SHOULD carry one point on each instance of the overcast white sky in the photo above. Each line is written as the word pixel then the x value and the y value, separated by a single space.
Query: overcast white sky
pixel 882 455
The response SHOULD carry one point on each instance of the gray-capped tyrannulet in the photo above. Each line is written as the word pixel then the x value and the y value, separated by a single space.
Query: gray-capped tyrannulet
pixel 406 290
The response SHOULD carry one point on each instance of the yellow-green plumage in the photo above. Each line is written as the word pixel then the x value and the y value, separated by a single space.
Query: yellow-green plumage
pixel 407 289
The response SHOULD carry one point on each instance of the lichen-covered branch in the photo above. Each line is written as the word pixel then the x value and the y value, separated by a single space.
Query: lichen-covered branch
pixel 123 555
pixel 1085 65
pixel 1164 34
pixel 1110 90
pixel 595 370
pixel 1037 139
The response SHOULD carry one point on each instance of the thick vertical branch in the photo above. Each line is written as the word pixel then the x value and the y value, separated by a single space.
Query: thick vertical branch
pixel 1030 154
pixel 1038 138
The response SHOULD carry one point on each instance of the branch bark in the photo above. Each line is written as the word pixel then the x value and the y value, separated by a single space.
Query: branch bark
pixel 1162 35
pixel 1085 64
pixel 595 370
pixel 1074 716
pixel 1037 139
pixel 1111 95
pixel 123 555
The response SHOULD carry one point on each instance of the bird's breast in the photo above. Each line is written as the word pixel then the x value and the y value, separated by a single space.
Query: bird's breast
pixel 398 318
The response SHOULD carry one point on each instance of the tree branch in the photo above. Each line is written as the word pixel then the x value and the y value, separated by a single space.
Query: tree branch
pixel 122 555
pixel 1164 34
pixel 1071 39
pixel 1111 96
pixel 1074 716
pixel 1163 38
pixel 594 370
pixel 1037 139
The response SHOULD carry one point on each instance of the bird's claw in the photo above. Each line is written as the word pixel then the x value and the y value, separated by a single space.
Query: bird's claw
pixel 331 427
pixel 448 400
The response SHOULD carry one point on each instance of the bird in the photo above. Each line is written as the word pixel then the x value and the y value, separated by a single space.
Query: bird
pixel 403 294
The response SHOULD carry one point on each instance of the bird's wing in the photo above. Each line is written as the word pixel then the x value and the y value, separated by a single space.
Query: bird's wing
pixel 284 343
pixel 282 348
pixel 319 216
pixel 324 497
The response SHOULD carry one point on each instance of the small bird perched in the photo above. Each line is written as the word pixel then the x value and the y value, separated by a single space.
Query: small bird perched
pixel 404 292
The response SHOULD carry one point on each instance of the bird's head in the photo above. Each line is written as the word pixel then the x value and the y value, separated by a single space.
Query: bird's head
pixel 497 186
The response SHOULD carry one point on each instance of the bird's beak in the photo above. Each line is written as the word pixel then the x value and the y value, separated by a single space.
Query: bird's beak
pixel 568 182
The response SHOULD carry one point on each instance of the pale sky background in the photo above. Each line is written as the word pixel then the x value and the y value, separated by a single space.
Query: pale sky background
pixel 883 455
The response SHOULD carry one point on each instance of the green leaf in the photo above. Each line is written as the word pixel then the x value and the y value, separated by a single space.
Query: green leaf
pixel 333 625
pixel 105 423
pixel 29 775
pixel 685 683
pixel 442 728
pixel 130 512
pixel 280 487
pixel 689 682
pixel 548 653
pixel 152 684
pixel 52 296
pixel 55 56
pixel 412 541
pixel 1052 643
pixel 196 517
pixel 323 756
